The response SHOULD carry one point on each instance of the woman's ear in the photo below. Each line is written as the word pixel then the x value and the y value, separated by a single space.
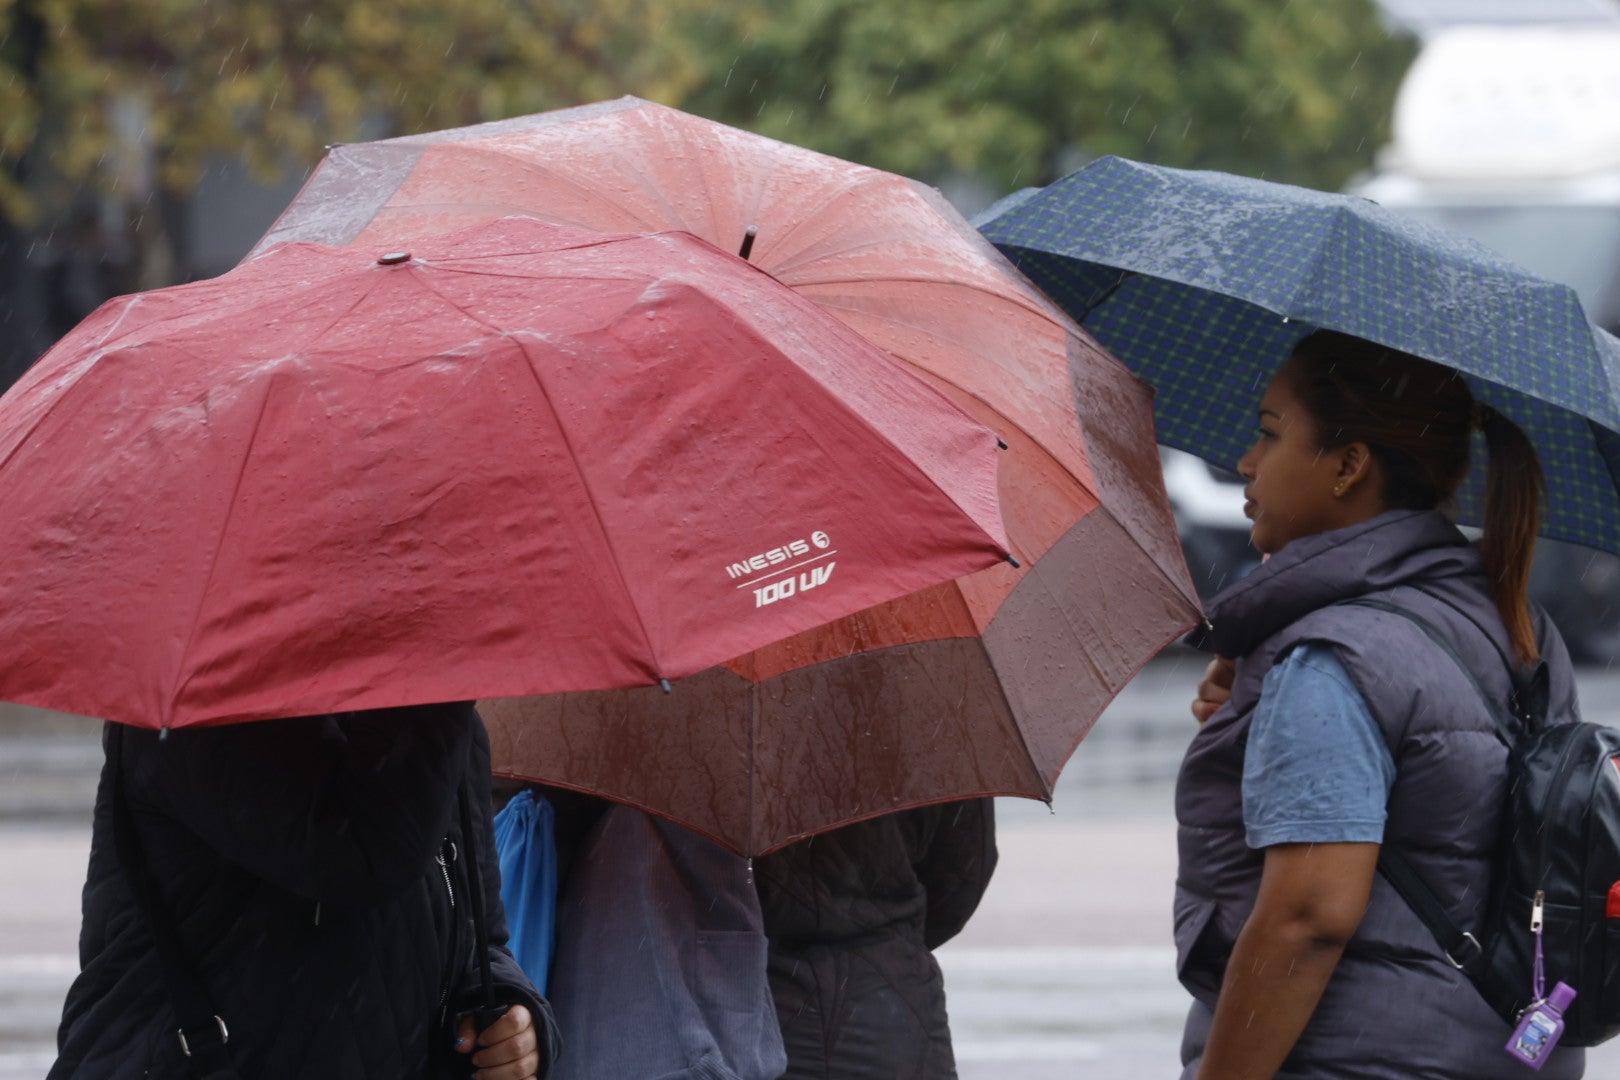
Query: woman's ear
pixel 1357 469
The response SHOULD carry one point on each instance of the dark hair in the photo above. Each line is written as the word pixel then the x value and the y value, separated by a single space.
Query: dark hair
pixel 1416 417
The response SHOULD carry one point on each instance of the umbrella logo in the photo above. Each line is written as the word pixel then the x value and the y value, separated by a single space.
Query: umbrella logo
pixel 766 559
pixel 782 572
pixel 814 577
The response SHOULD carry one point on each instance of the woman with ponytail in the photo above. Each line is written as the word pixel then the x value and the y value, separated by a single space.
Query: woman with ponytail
pixel 1332 725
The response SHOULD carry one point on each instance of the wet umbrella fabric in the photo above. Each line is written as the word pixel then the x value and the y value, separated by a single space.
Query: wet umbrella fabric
pixel 1203 282
pixel 984 686
pixel 523 459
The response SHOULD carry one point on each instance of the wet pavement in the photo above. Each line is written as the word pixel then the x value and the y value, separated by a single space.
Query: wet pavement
pixel 1066 970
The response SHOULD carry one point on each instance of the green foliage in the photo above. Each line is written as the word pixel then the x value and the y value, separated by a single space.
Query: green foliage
pixel 272 82
pixel 19 113
pixel 1024 90
pixel 1016 90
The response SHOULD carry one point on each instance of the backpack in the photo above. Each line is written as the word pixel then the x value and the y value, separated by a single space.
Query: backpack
pixel 1558 857
pixel 526 848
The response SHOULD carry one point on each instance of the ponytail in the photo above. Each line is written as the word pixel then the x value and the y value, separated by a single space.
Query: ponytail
pixel 1513 489
pixel 1416 418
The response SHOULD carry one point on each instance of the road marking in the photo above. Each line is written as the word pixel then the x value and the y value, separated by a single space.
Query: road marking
pixel 1079 958
pixel 27 1062
pixel 55 965
pixel 1030 1049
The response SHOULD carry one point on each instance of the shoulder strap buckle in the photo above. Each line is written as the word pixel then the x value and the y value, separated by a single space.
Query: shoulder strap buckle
pixel 1472 942
pixel 224 1035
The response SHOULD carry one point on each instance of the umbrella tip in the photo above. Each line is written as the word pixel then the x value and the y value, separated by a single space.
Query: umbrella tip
pixel 748 241
pixel 1016 565
pixel 664 684
pixel 393 258
pixel 1001 444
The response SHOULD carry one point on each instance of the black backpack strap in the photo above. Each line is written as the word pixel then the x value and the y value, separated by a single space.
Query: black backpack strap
pixel 1532 686
pixel 1462 948
pixel 1504 732
pixel 202 1032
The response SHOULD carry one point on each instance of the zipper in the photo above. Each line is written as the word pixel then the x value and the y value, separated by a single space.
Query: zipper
pixel 444 857
pixel 1544 857
pixel 444 868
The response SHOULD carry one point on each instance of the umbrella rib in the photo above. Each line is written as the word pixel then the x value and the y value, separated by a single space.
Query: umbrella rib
pixel 916 366
pixel 1031 305
pixel 1102 679
pixel 219 543
pixel 534 372
pixel 26 437
pixel 804 216
pixel 1040 310
pixel 78 381
pixel 1023 740
pixel 1309 284
pixel 1614 473
pixel 1028 303
pixel 589 188
pixel 753 763
pixel 584 481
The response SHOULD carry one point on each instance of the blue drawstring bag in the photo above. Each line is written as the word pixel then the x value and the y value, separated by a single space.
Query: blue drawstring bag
pixel 528 856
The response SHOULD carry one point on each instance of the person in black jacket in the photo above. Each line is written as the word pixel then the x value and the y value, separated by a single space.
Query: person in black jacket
pixel 853 916
pixel 315 874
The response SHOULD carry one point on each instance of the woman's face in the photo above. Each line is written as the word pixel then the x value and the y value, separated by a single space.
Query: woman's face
pixel 1290 489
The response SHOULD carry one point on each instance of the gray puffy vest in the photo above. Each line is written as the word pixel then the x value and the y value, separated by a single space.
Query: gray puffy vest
pixel 1395 1007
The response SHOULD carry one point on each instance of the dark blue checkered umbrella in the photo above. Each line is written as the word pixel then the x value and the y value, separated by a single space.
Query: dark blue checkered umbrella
pixel 1203 281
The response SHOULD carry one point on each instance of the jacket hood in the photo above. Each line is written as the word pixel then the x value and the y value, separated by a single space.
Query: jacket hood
pixel 1394 548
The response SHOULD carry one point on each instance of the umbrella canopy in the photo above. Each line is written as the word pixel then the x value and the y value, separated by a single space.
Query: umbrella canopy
pixel 1203 282
pixel 984 686
pixel 519 459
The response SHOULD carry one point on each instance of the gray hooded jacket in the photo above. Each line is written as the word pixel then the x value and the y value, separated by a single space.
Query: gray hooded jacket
pixel 1395 1007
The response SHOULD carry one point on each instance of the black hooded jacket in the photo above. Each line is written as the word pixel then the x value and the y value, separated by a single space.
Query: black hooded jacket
pixel 853 916
pixel 316 874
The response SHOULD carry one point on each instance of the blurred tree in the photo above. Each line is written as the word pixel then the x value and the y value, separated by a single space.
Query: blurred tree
pixel 111 109
pixel 113 91
pixel 131 92
pixel 1022 91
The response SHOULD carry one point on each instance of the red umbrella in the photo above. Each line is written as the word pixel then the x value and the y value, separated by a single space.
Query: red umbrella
pixel 521 459
pixel 981 687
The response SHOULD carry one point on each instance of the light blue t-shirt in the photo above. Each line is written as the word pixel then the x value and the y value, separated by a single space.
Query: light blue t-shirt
pixel 1317 768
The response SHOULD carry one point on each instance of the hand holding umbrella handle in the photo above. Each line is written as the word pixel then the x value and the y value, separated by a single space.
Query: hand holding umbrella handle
pixel 505 1040
pixel 486 1015
pixel 483 1017
pixel 1214 689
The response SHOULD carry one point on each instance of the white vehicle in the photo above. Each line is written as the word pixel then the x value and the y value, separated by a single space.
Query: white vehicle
pixel 1511 135
pixel 1214 531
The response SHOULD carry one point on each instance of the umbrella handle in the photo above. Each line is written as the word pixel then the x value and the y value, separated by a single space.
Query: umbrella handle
pixel 1124 276
pixel 483 1017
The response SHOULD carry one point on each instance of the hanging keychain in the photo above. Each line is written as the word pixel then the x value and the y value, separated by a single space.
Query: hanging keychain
pixel 1541 1024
